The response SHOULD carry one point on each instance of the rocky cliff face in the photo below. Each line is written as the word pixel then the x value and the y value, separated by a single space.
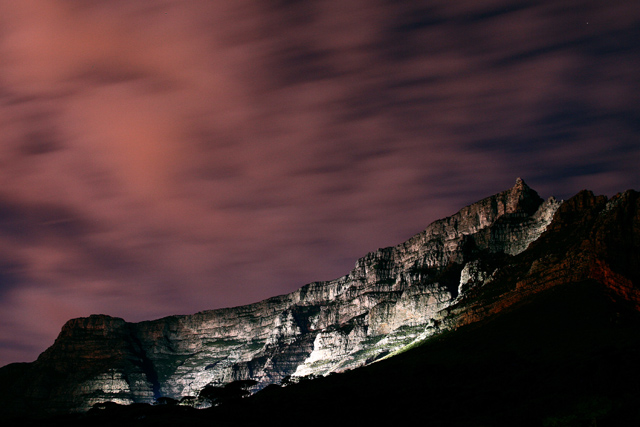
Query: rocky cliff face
pixel 590 238
pixel 459 270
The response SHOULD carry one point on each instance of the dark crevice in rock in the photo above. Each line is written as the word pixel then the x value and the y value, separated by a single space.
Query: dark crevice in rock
pixel 146 365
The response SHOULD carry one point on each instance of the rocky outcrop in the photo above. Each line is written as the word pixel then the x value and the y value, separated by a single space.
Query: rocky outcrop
pixel 590 238
pixel 483 259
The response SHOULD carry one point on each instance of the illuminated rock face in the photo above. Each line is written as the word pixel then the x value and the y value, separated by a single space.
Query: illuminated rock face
pixel 392 298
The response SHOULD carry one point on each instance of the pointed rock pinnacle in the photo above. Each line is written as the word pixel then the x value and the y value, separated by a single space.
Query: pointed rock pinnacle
pixel 523 198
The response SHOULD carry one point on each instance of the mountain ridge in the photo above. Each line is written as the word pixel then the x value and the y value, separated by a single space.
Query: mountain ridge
pixel 440 279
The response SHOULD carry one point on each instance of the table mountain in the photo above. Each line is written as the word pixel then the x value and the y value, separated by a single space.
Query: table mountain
pixel 486 258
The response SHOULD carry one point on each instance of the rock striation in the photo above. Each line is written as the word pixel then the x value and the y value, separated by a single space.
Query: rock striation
pixel 461 269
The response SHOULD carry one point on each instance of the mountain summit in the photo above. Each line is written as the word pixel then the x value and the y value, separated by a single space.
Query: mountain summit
pixel 523 199
pixel 486 259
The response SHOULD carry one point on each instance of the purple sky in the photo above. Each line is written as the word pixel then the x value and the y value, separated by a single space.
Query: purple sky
pixel 168 157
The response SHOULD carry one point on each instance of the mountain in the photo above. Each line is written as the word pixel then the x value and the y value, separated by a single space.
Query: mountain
pixel 489 259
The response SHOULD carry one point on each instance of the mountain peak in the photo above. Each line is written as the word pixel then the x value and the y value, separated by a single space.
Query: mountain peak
pixel 523 198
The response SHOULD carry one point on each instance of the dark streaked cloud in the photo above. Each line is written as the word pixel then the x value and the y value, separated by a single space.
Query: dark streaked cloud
pixel 179 156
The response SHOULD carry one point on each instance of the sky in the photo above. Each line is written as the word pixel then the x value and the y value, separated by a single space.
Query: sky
pixel 170 157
